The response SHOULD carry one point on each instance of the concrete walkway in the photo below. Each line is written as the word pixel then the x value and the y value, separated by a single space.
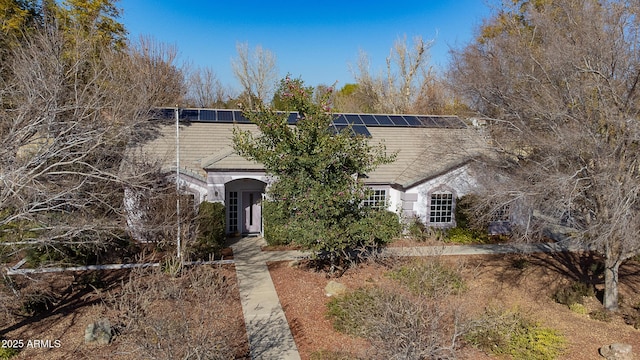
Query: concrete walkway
pixel 267 328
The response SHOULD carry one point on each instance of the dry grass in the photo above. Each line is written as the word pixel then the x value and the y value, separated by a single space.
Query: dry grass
pixel 154 315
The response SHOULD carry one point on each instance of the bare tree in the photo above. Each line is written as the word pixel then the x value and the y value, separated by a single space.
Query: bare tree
pixel 206 90
pixel 68 117
pixel 256 72
pixel 560 81
pixel 395 90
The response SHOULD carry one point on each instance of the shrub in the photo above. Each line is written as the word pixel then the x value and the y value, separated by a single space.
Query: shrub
pixel 578 308
pixel 8 353
pixel 460 235
pixel 199 297
pixel 397 326
pixel 573 294
pixel 276 224
pixel 378 227
pixel 417 230
pixel 510 333
pixel 521 262
pixel 428 278
pixel 632 317
pixel 600 315
pixel 349 313
pixel 315 196
pixel 38 302
pixel 211 235
pixel 83 252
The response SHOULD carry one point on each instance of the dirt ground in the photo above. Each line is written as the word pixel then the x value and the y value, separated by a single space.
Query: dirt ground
pixel 523 282
pixel 153 314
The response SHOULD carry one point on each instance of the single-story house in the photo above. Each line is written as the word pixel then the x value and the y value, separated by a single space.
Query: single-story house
pixel 431 169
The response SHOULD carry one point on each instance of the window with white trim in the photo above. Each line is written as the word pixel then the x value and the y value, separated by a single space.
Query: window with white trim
pixel 441 208
pixel 377 199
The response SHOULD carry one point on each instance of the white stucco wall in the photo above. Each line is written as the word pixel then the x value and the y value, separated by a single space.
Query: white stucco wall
pixel 459 181
pixel 394 198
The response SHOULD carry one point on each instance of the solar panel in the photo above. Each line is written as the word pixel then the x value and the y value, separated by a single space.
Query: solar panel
pixel 361 130
pixel 340 120
pixel 189 114
pixel 428 121
pixel 449 122
pixel 338 128
pixel 292 118
pixel 398 120
pixel 354 119
pixel 412 120
pixel 163 114
pixel 239 117
pixel 369 119
pixel 207 115
pixel 383 120
pixel 225 115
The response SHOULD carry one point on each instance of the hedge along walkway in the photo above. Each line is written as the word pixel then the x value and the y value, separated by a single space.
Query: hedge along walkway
pixel 267 328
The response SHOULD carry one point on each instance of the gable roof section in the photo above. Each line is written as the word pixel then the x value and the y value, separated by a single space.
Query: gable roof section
pixel 424 153
pixel 438 144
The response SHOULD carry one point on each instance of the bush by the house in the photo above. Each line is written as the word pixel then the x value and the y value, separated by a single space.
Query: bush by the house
pixel 211 231
pixel 378 227
pixel 276 224
pixel 504 332
pixel 315 198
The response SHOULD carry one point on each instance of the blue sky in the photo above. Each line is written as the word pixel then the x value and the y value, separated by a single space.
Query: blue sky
pixel 318 41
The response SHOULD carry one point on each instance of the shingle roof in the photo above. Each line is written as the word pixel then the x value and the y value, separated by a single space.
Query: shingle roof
pixel 422 152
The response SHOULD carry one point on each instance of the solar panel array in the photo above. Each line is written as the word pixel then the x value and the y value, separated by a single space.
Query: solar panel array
pixel 359 122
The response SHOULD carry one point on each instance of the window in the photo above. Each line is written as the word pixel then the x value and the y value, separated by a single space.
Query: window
pixel 233 211
pixel 377 199
pixel 441 208
pixel 501 213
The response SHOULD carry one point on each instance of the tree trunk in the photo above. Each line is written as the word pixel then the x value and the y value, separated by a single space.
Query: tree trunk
pixel 610 300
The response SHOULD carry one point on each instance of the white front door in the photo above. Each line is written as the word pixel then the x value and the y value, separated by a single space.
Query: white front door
pixel 252 212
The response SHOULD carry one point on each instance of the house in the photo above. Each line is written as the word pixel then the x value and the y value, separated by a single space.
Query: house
pixel 431 169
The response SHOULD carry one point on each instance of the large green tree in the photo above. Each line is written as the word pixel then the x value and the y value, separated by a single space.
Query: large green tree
pixel 560 81
pixel 316 198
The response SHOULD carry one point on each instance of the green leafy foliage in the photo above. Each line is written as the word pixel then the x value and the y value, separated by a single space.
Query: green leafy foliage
pixel 510 333
pixel 8 353
pixel 466 231
pixel 578 309
pixel 316 198
pixel 428 278
pixel 573 294
pixel 211 231
pixel 601 315
pixel 460 235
